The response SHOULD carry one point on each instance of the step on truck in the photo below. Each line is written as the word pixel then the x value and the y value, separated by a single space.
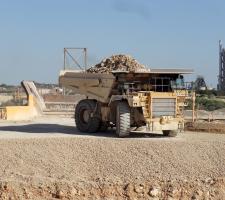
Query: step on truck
pixel 144 102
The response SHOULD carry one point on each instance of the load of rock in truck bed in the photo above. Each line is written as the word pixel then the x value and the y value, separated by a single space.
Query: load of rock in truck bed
pixel 118 63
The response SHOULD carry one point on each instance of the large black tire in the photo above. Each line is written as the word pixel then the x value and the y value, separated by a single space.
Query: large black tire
pixel 85 118
pixel 123 119
pixel 170 133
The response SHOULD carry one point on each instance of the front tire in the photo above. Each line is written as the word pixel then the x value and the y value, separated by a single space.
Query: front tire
pixel 85 118
pixel 123 119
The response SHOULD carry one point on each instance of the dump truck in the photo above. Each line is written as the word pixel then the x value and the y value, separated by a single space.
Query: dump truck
pixel 142 102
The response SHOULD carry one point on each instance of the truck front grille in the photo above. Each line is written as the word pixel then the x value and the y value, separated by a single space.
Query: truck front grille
pixel 163 107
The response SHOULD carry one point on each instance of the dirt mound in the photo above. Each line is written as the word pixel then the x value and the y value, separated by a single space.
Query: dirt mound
pixel 202 126
pixel 117 63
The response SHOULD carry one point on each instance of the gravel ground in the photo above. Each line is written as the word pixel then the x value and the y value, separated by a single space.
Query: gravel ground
pixel 51 153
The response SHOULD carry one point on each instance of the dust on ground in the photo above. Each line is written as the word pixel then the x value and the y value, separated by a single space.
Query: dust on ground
pixel 49 159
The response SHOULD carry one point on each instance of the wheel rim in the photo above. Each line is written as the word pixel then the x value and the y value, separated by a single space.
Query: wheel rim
pixel 85 116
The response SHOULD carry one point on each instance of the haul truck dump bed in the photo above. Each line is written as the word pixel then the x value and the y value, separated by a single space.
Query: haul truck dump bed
pixel 131 101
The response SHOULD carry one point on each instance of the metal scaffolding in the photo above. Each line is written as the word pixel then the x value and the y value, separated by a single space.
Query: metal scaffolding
pixel 72 54
pixel 221 77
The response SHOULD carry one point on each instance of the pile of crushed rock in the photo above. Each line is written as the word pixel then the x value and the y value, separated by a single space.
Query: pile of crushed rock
pixel 118 63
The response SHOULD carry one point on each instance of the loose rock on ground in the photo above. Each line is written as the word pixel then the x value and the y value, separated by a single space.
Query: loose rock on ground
pixel 50 159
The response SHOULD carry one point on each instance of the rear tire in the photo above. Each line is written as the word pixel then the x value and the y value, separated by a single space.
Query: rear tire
pixel 170 133
pixel 123 119
pixel 85 118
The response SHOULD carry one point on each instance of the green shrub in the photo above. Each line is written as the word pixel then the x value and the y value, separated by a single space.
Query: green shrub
pixel 204 103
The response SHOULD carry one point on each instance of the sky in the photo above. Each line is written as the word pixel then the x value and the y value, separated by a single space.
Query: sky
pixel 158 33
